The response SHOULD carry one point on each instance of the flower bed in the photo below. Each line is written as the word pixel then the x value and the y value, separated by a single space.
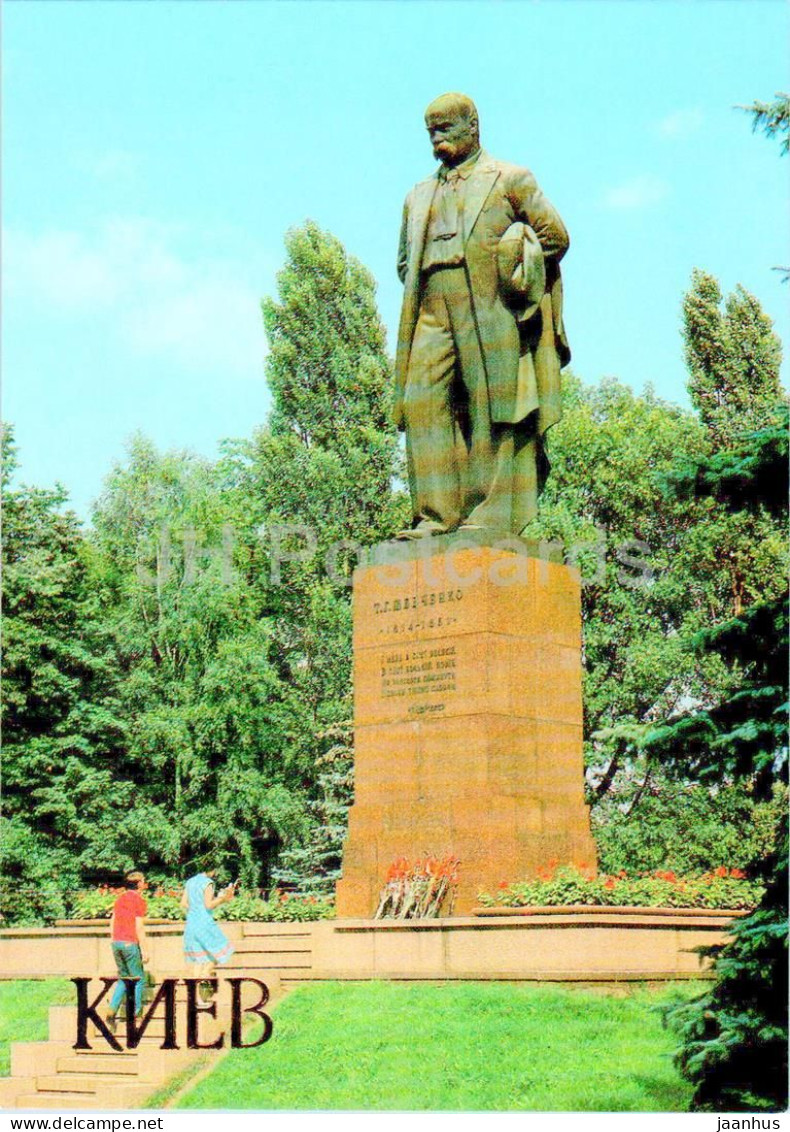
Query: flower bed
pixel 281 907
pixel 721 888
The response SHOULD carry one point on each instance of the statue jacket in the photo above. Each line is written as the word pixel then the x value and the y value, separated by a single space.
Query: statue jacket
pixel 522 355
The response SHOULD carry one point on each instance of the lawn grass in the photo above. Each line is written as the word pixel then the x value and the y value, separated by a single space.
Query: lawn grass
pixel 24 1012
pixel 478 1046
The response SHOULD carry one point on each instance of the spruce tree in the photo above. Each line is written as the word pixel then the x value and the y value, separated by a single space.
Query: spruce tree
pixel 735 1035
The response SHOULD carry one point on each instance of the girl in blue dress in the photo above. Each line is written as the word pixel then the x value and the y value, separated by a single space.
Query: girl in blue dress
pixel 205 944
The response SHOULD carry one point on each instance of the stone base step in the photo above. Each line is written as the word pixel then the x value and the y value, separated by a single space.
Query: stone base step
pixel 111 1097
pixel 52 1100
pixel 126 1064
pixel 83 1082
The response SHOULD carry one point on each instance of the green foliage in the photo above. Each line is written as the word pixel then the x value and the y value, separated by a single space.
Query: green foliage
pixel 735 1037
pixel 772 118
pixel 314 866
pixel 604 492
pixel 324 470
pixel 212 716
pixel 32 882
pixel 327 366
pixel 97 904
pixel 651 821
pixel 733 357
pixel 281 907
pixel 167 691
pixel 643 590
pixel 66 790
pixel 569 885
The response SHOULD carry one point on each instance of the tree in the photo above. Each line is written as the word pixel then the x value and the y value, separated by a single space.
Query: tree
pixel 65 795
pixel 210 719
pixel 772 118
pixel 656 567
pixel 313 866
pixel 735 1035
pixel 733 357
pixel 604 501
pixel 325 469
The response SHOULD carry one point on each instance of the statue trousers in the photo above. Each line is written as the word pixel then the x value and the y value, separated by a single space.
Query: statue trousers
pixel 463 468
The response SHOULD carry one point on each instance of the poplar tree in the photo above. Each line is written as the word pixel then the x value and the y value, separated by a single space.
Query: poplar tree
pixel 326 468
pixel 733 358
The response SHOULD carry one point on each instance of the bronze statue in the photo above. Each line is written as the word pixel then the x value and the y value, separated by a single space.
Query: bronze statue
pixel 481 339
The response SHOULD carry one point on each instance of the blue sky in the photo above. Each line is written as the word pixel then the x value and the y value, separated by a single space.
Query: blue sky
pixel 155 154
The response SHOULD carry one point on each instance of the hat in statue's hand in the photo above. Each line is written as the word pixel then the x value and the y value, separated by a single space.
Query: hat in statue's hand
pixel 522 270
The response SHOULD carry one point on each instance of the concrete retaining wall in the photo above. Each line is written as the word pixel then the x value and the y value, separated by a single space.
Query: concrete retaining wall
pixel 536 944
pixel 544 945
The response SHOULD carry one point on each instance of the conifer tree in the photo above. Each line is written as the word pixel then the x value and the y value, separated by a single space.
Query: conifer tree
pixel 735 1035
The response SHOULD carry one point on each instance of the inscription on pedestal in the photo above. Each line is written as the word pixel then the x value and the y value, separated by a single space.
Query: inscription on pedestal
pixel 419 672
pixel 417 613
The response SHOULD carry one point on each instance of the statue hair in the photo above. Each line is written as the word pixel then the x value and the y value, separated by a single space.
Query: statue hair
pixel 459 105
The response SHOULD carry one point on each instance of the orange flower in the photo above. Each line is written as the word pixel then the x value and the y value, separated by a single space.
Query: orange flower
pixel 609 883
pixel 737 874
pixel 720 872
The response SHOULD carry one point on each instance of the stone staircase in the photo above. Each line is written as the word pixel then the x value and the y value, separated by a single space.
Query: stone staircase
pixel 53 1075
pixel 285 950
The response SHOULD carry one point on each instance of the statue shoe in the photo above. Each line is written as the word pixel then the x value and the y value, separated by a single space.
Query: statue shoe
pixel 424 529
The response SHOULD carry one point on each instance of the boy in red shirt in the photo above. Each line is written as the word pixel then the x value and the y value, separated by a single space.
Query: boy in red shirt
pixel 128 944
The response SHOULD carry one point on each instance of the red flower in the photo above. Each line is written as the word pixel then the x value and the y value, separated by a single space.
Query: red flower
pixel 609 883
pixel 502 884
pixel 737 874
pixel 720 872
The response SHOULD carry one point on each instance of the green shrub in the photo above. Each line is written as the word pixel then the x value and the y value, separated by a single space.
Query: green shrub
pixel 722 888
pixel 279 908
pixel 686 827
pixel 33 878
pixel 97 904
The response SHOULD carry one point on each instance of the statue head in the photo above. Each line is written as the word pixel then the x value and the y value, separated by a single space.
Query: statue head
pixel 452 124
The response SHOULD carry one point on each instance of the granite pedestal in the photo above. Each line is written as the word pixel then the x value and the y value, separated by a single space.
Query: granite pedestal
pixel 467 716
